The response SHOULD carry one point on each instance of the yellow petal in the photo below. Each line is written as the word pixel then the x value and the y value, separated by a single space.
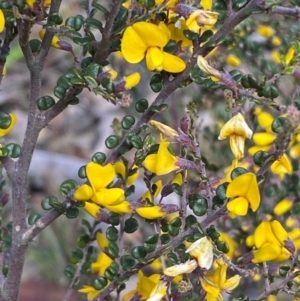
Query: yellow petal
pixel 239 206
pixel 153 212
pixel 264 138
pixel 202 249
pixel 13 118
pixel 279 231
pixel 235 125
pixel 245 185
pixel 122 208
pixel 132 80
pixel 289 56
pixel 2 21
pixel 282 166
pixel 100 176
pixel 101 264
pixel 132 178
pixel 120 168
pixel 254 149
pixel 163 128
pixel 102 241
pixel 182 268
pixel 237 146
pixel 90 291
pixel 233 60
pixel 232 283
pixel 147 194
pixel 204 66
pixel 133 47
pixel 109 197
pixel 265 31
pixel 83 193
pixel 267 252
pixel 173 63
pixel 206 4
pixel 150 162
pixel 154 59
pixel 283 206
pixel 92 209
pixel 177 179
pixel 151 34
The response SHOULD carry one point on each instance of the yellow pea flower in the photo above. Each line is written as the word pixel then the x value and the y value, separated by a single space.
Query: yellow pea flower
pixel 83 193
pixel 55 40
pixel 214 283
pixel 202 250
pixel 271 241
pixel 182 268
pixel 163 162
pixel 163 128
pixel 233 60
pixel 147 40
pixel 210 71
pixel 289 55
pixel 145 285
pixel 132 80
pixel 102 241
pixel 282 166
pixel 265 31
pixel 2 20
pixel 158 291
pixel 276 41
pixel 13 120
pixel 101 264
pixel 283 206
pixel 91 292
pixel 92 209
pixel 207 4
pixel 200 18
pixel 275 55
pixel 237 130
pixel 244 191
pixel 151 212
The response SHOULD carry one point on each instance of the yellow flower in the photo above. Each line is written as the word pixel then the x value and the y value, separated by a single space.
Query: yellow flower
pixel 147 194
pixel 121 208
pixel 265 31
pixel 151 212
pixel 163 128
pixel 205 67
pixel 147 40
pixel 90 291
pixel 214 283
pixel 270 239
pixel 233 60
pixel 202 250
pixel 145 285
pixel 2 21
pixel 206 4
pixel 276 41
pixel 244 191
pixel 92 209
pixel 237 130
pixel 13 120
pixel 283 206
pixel 132 80
pixel 289 55
pixel 275 55
pixel 182 268
pixel 101 264
pixel 121 169
pixel 158 291
pixel 102 241
pixel 163 162
pixel 200 18
pixel 282 166
pixel 176 30
pixel 55 40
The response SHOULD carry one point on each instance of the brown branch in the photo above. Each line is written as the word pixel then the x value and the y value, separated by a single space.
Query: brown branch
pixel 287 11
pixel 103 47
pixel 276 287
pixel 20 172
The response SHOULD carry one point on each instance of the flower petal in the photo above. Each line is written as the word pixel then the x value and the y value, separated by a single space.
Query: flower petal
pixel 239 206
pixel 151 34
pixel 100 176
pixel 154 58
pixel 172 63
pixel 153 212
pixel 133 47
pixel 109 197
pixel 83 193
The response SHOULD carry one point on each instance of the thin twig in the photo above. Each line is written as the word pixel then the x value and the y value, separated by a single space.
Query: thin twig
pixel 287 11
